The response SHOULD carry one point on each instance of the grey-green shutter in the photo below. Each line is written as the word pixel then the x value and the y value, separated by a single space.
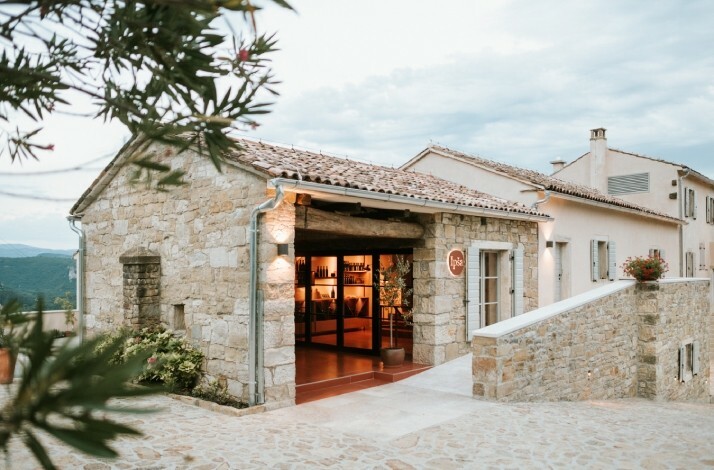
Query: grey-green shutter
pixel 473 291
pixel 595 261
pixel 611 261
pixel 695 358
pixel 517 281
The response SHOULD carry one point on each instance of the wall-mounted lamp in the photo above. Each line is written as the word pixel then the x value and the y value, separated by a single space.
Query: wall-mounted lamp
pixel 549 243
pixel 282 249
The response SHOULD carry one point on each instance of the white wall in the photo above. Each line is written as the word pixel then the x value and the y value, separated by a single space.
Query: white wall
pixel 474 177
pixel 694 232
pixel 578 223
pixel 575 222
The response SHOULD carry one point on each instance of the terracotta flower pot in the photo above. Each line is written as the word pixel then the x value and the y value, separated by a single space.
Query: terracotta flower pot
pixel 7 366
pixel 392 357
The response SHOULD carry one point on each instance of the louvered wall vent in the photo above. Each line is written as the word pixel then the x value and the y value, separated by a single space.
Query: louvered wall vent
pixel 625 184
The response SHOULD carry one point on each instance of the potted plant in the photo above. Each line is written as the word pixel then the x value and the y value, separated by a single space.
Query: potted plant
pixel 10 316
pixel 393 293
pixel 649 268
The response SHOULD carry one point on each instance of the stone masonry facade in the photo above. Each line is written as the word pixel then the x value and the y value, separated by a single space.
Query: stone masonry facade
pixel 670 315
pixel 200 233
pixel 622 345
pixel 439 308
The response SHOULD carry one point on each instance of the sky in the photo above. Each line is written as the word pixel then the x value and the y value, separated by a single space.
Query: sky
pixel 520 82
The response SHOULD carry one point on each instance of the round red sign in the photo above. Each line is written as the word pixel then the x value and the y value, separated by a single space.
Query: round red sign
pixel 457 262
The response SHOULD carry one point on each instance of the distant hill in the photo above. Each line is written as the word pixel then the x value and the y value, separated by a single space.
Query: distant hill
pixel 16 250
pixel 25 278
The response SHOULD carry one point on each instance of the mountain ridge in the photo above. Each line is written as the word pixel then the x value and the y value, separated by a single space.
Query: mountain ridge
pixel 18 250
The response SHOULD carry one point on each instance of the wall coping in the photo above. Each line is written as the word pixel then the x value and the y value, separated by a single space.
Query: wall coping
pixel 534 316
pixel 538 315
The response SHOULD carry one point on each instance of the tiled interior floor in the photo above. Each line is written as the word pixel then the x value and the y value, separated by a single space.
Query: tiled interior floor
pixel 322 373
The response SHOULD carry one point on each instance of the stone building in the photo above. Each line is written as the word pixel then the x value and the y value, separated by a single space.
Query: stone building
pixel 280 250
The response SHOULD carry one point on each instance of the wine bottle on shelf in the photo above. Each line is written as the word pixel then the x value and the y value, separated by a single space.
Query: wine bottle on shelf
pixel 332 294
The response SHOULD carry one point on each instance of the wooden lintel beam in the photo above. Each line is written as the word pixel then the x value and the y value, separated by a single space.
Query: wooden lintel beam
pixel 309 218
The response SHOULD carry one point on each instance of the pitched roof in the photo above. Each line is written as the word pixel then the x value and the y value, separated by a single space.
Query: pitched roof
pixel 277 161
pixel 541 180
pixel 681 166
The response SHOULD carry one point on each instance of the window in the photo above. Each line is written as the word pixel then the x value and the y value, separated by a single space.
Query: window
pixel 690 203
pixel 603 259
pixel 489 287
pixel 627 184
pixel 689 264
pixel 710 209
pixel 702 256
pixel 688 360
pixel 494 283
pixel 658 253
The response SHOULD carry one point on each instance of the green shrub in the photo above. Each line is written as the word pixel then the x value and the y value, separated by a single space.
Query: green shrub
pixel 171 360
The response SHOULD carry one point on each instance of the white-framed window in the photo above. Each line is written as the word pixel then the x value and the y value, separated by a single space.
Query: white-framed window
pixel 710 209
pixel 690 203
pixel 658 253
pixel 603 260
pixel 688 360
pixel 494 283
pixel 689 264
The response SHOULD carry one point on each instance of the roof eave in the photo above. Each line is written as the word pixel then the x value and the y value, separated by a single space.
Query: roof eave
pixel 310 187
pixel 607 205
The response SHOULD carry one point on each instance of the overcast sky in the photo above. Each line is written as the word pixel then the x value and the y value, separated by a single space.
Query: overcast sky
pixel 521 82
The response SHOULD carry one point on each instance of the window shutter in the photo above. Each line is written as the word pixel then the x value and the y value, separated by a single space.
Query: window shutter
pixel 689 264
pixel 473 288
pixel 682 360
pixel 517 281
pixel 611 261
pixel 708 209
pixel 686 202
pixel 695 358
pixel 595 261
pixel 693 202
pixel 651 252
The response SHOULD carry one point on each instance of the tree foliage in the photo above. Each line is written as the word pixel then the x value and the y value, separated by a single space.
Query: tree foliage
pixel 66 393
pixel 166 69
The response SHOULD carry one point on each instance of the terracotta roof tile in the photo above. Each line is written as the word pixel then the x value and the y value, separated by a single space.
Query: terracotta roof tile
pixel 278 161
pixel 546 182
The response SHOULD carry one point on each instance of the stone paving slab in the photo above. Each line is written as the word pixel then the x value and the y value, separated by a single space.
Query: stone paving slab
pixel 449 432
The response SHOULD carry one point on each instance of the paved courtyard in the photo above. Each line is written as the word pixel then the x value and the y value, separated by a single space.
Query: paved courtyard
pixel 427 421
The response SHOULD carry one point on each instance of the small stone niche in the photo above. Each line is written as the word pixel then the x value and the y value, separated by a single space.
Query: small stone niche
pixel 142 276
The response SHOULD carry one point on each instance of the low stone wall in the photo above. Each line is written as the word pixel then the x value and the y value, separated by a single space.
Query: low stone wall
pixel 621 340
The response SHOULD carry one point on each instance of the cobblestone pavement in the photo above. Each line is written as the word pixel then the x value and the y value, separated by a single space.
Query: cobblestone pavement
pixel 410 424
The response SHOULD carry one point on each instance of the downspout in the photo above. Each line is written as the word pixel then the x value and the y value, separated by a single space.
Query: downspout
pixel 681 226
pixel 256 374
pixel 546 196
pixel 72 219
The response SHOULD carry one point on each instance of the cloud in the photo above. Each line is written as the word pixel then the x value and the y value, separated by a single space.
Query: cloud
pixel 645 74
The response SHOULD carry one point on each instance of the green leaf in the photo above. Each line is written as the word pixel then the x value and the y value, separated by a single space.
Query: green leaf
pixel 38 451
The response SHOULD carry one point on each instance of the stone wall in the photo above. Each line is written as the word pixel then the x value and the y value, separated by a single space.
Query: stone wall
pixel 670 315
pixel 617 341
pixel 439 308
pixel 200 231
